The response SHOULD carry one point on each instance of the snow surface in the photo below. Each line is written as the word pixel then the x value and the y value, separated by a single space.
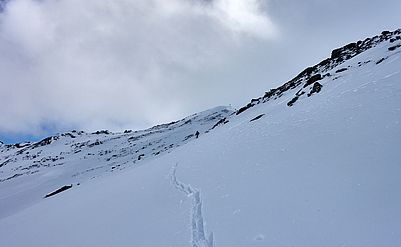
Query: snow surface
pixel 29 171
pixel 323 172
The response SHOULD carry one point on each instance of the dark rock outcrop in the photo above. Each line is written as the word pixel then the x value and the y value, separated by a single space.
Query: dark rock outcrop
pixel 317 87
pixel 64 188
pixel 341 70
pixel 313 79
pixel 292 101
pixel 392 48
pixel 105 132
pixel 256 118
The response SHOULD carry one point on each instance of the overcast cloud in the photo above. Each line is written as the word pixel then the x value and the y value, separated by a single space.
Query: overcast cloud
pixel 116 64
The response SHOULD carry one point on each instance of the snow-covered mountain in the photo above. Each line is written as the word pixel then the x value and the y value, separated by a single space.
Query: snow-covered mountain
pixel 315 162
pixel 36 169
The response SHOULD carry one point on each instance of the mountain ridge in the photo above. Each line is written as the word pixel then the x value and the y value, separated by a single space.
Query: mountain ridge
pixel 313 74
pixel 76 157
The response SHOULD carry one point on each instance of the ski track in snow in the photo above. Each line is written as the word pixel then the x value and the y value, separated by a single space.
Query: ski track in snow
pixel 197 222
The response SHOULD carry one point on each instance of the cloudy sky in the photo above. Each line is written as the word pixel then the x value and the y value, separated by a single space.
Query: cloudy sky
pixel 129 64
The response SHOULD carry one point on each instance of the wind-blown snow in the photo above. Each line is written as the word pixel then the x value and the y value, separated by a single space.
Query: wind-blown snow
pixel 324 172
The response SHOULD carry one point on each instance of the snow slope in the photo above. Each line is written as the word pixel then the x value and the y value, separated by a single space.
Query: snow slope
pixel 29 171
pixel 324 170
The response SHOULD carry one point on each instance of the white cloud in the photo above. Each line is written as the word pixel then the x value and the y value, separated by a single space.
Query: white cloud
pixel 114 63
pixel 244 17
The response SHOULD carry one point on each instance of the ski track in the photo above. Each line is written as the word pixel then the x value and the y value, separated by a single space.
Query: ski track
pixel 197 221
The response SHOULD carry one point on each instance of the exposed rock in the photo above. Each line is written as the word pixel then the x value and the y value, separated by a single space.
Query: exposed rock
pixel 380 60
pixel 21 145
pixel 341 70
pixel 45 141
pixel 220 122
pixel 12 177
pixel 317 87
pixel 64 188
pixel 68 135
pixel 313 79
pixel 292 101
pixel 106 132
pixel 241 110
pixel 256 118
pixel 97 142
pixel 392 48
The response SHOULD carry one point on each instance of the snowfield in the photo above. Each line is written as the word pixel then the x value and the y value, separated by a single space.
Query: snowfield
pixel 30 171
pixel 322 171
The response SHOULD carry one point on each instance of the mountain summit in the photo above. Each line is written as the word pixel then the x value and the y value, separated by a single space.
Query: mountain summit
pixel 315 162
